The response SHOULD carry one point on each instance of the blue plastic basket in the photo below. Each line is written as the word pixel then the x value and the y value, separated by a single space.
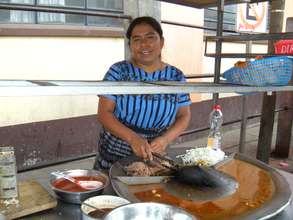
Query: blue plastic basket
pixel 275 71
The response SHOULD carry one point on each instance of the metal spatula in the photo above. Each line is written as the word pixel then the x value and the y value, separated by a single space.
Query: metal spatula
pixel 142 180
pixel 193 175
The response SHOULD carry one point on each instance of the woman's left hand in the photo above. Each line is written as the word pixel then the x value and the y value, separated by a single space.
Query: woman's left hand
pixel 159 144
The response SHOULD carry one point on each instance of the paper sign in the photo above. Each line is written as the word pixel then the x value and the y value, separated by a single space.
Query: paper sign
pixel 252 17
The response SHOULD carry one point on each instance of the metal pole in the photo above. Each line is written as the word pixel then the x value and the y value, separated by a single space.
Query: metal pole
pixel 220 14
pixel 244 110
pixel 269 101
pixel 194 26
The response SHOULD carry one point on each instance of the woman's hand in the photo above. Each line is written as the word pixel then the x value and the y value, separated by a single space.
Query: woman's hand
pixel 159 144
pixel 141 147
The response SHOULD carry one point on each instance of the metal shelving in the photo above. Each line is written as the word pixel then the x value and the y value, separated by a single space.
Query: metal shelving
pixel 49 87
pixel 9 88
pixel 245 38
pixel 252 37
pixel 208 3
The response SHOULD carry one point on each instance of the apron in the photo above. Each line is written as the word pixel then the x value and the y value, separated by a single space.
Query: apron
pixel 112 148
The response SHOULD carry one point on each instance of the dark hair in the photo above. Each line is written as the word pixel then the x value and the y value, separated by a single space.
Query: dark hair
pixel 144 20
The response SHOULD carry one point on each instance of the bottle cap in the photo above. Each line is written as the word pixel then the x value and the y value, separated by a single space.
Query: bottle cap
pixel 217 107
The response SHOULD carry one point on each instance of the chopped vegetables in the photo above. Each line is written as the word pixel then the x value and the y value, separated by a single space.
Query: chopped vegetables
pixel 203 156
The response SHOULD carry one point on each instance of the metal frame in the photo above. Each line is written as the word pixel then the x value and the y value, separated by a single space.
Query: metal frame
pixel 51 87
pixel 65 10
pixel 9 88
pixel 209 3
pixel 252 37
pixel 245 38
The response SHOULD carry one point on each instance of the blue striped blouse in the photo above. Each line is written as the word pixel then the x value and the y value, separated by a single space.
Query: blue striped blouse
pixel 146 111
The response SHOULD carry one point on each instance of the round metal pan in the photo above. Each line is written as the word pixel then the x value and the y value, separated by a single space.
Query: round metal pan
pixel 279 201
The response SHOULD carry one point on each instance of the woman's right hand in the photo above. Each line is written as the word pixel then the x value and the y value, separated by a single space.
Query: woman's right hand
pixel 141 147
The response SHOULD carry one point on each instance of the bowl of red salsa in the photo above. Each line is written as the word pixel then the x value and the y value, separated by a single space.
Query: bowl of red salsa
pixel 73 193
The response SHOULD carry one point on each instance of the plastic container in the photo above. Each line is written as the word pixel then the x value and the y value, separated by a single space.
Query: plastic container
pixel 8 181
pixel 272 71
pixel 215 122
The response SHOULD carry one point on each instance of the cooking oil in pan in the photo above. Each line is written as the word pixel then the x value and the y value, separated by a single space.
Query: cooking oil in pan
pixel 8 181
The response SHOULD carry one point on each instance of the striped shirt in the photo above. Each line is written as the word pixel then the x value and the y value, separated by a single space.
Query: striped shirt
pixel 148 115
pixel 151 110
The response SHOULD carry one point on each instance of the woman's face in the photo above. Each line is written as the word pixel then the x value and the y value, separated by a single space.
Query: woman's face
pixel 145 44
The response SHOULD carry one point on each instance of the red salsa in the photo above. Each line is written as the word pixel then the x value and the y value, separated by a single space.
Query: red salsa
pixel 66 185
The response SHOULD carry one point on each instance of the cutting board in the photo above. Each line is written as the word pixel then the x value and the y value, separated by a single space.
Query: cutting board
pixel 32 198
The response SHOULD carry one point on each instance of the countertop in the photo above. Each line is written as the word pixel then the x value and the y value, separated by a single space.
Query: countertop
pixel 72 212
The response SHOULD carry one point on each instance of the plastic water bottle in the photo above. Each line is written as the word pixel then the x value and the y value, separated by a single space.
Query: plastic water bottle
pixel 215 120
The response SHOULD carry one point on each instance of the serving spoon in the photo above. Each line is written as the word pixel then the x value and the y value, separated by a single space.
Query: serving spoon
pixel 94 207
pixel 85 184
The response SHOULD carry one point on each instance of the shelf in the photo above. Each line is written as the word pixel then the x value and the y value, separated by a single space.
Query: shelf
pixel 208 3
pixel 243 55
pixel 16 88
pixel 243 38
pixel 252 37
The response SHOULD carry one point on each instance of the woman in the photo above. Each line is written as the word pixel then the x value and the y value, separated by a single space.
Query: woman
pixel 141 124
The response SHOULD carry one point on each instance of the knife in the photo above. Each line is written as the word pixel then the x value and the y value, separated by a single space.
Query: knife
pixel 140 180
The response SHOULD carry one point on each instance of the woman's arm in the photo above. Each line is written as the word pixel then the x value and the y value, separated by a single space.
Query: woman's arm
pixel 181 122
pixel 139 145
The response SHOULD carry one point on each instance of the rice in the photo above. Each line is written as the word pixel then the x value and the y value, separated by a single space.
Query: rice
pixel 205 156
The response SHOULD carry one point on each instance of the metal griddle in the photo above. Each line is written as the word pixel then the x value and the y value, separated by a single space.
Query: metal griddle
pixel 281 198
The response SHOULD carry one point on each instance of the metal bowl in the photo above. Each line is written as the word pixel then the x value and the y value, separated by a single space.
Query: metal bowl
pixel 79 197
pixel 101 202
pixel 148 211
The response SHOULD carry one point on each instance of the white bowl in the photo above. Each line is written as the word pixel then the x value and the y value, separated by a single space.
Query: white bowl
pixel 101 202
pixel 148 211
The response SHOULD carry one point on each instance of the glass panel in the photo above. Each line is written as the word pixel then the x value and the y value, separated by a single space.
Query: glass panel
pixel 69 3
pixel 105 4
pixel 75 3
pixel 229 20
pixel 30 2
pixel 52 2
pixel 22 16
pixel 51 18
pixel 13 16
pixel 4 16
pixel 104 21
pixel 75 19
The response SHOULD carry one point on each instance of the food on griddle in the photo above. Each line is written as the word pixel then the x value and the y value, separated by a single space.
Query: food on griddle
pixel 140 168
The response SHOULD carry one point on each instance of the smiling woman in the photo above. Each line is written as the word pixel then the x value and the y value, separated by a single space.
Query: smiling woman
pixel 141 124
pixel 146 43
